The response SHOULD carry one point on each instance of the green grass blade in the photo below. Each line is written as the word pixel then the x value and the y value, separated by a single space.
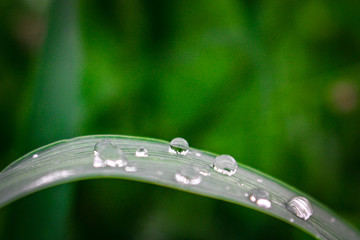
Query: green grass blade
pixel 72 160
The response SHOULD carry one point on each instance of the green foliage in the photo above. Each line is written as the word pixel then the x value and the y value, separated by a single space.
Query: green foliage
pixel 274 84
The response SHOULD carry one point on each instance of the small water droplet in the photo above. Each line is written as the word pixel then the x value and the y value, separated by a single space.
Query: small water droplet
pixel 130 169
pixel 301 207
pixel 179 146
pixel 240 184
pixel 188 176
pixel 159 173
pixel 35 156
pixel 227 188
pixel 259 180
pixel 246 194
pixel 225 164
pixel 332 220
pixel 198 154
pixel 204 173
pixel 141 152
pixel 107 153
pixel 291 219
pixel 260 197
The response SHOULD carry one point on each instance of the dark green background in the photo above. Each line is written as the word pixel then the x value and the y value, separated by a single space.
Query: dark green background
pixel 275 84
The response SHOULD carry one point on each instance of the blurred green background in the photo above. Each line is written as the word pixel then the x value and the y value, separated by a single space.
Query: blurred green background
pixel 273 83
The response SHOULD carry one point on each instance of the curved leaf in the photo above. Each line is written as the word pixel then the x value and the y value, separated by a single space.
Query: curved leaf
pixel 71 160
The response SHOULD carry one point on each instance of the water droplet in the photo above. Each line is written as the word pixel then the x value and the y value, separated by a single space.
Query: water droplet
pixel 35 156
pixel 332 220
pixel 204 173
pixel 227 188
pixel 130 169
pixel 179 146
pixel 260 197
pixel 141 152
pixel 225 164
pixel 159 173
pixel 301 207
pixel 188 176
pixel 107 153
pixel 259 180
pixel 291 219
pixel 246 194
pixel 198 154
pixel 240 184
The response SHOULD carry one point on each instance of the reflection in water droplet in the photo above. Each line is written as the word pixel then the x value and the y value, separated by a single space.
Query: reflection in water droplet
pixel 204 173
pixel 188 176
pixel 35 156
pixel 107 153
pixel 301 207
pixel 179 146
pixel 141 152
pixel 259 180
pixel 291 219
pixel 130 169
pixel 225 164
pixel 260 197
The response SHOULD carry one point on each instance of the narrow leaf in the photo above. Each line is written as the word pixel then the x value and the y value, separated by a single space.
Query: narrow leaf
pixel 75 159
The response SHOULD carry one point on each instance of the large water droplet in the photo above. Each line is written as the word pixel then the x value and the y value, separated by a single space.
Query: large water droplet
pixel 188 175
pixel 301 207
pixel 260 197
pixel 179 146
pixel 107 153
pixel 225 164
pixel 141 152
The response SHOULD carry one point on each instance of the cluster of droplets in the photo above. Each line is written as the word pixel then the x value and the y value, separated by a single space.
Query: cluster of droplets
pixel 108 154
pixel 260 197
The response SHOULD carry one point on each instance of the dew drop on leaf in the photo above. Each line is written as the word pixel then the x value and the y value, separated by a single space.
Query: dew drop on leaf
pixel 141 152
pixel 204 173
pixel 107 153
pixel 260 197
pixel 301 207
pixel 179 146
pixel 225 164
pixel 188 175
pixel 130 169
